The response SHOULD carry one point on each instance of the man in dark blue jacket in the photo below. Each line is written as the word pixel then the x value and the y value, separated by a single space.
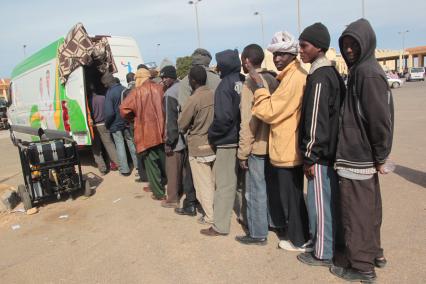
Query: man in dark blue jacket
pixel 117 125
pixel 223 134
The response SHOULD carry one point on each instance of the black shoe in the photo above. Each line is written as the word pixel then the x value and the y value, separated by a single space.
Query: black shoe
pixel 190 211
pixel 380 262
pixel 352 275
pixel 247 240
pixel 125 174
pixel 310 259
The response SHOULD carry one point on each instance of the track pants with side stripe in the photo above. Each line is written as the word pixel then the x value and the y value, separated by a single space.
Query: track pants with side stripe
pixel 321 197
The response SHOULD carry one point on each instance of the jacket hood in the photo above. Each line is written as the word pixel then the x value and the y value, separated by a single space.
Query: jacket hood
pixel 363 33
pixel 228 61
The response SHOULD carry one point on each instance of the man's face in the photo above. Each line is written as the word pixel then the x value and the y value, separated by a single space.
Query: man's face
pixel 192 83
pixel 167 82
pixel 282 59
pixel 243 64
pixel 351 49
pixel 308 52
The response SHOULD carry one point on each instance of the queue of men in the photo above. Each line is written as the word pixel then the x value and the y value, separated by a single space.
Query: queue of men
pixel 193 136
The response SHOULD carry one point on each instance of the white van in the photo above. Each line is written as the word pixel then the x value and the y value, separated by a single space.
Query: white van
pixel 38 99
pixel 416 73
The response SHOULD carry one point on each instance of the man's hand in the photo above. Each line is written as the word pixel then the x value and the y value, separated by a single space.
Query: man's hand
pixel 168 150
pixel 252 72
pixel 243 164
pixel 309 171
pixel 381 169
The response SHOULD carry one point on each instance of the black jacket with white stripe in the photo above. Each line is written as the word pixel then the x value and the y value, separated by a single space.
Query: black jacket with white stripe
pixel 319 122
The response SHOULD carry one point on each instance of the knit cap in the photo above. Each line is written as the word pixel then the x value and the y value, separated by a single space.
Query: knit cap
pixel 317 34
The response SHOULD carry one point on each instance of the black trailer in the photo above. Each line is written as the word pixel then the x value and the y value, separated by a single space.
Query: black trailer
pixel 51 167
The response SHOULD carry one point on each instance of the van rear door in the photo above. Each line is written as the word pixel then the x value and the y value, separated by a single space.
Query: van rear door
pixel 74 108
pixel 126 54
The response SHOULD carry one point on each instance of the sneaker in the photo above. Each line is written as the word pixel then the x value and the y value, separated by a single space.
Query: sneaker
pixel 203 221
pixel 125 174
pixel 353 275
pixel 247 240
pixel 287 245
pixel 310 259
pixel 380 262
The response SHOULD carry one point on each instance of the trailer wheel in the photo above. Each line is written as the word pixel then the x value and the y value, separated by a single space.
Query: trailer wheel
pixel 25 197
pixel 87 189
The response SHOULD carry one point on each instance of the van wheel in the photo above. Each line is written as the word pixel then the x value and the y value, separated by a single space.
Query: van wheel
pixel 25 197
pixel 395 85
pixel 87 189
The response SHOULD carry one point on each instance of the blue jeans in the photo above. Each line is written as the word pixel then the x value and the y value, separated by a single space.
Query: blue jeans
pixel 256 196
pixel 320 200
pixel 119 138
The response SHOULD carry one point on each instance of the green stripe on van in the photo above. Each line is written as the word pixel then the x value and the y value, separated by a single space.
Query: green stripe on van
pixel 43 55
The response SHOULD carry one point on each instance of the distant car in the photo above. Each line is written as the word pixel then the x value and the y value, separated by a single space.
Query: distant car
pixel 394 83
pixel 416 74
pixel 3 114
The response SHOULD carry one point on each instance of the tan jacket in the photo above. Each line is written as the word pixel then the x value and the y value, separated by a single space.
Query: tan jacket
pixel 254 133
pixel 282 112
pixel 196 117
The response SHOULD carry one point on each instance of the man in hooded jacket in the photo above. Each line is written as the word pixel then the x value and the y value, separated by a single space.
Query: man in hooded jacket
pixel 364 144
pixel 223 134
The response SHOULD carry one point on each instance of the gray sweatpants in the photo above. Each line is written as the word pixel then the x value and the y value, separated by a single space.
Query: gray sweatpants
pixel 225 172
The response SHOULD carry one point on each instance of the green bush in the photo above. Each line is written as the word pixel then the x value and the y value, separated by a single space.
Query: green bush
pixel 183 65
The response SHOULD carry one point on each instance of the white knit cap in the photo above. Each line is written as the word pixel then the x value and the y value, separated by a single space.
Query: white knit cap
pixel 284 42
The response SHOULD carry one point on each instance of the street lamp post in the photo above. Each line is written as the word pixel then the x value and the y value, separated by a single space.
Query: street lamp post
pixel 402 64
pixel 299 26
pixel 24 48
pixel 156 52
pixel 262 27
pixel 195 3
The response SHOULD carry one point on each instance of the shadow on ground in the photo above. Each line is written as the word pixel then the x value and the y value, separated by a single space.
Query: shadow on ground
pixel 411 175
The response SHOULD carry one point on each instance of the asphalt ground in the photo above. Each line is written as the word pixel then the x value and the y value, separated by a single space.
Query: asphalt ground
pixel 120 235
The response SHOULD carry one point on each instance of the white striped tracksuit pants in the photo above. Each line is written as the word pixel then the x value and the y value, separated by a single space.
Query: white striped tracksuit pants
pixel 322 190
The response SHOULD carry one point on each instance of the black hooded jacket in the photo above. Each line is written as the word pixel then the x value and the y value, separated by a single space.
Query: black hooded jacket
pixel 226 122
pixel 367 114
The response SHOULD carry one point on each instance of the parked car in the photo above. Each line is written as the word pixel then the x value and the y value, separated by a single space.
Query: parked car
pixel 416 73
pixel 3 114
pixel 394 83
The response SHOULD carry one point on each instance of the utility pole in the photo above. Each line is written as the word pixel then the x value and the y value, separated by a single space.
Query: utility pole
pixel 262 27
pixel 299 26
pixel 402 64
pixel 195 3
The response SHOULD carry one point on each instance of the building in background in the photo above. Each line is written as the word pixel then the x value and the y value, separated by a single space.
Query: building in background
pixel 4 87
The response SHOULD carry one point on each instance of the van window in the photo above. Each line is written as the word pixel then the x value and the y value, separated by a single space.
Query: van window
pixel 417 70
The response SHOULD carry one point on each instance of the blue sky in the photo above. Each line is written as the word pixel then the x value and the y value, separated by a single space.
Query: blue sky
pixel 171 23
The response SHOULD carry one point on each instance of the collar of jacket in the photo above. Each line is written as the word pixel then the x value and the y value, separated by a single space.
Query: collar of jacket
pixel 321 61
pixel 201 89
pixel 292 65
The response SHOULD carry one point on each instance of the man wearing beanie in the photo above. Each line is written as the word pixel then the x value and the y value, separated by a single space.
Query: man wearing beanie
pixel 281 110
pixel 200 57
pixel 364 144
pixel 174 144
pixel 319 125
pixel 144 105
pixel 223 134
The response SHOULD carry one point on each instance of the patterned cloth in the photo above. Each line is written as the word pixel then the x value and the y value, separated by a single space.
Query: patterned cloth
pixel 79 49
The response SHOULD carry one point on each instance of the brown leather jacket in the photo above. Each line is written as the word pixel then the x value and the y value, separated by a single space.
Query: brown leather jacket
pixel 145 105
